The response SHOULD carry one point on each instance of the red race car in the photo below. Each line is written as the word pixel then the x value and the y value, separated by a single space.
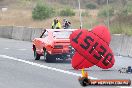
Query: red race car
pixel 53 44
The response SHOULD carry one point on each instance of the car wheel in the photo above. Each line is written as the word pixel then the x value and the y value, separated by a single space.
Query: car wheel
pixel 72 51
pixel 64 57
pixel 36 55
pixel 50 58
pixel 45 53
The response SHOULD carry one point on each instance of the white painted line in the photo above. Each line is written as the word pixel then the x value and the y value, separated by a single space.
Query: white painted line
pixel 22 49
pixel 6 48
pixel 43 66
pixel 119 56
pixel 125 87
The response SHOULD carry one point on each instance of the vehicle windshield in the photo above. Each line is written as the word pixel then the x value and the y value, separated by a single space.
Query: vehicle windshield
pixel 62 34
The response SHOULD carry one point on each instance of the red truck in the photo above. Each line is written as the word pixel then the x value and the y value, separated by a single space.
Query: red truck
pixel 53 44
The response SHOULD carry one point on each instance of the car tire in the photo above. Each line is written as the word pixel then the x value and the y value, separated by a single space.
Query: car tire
pixel 50 58
pixel 64 57
pixel 36 55
pixel 45 53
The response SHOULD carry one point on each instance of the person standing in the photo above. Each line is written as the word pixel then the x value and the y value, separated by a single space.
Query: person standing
pixel 54 24
pixel 64 21
pixel 67 25
pixel 58 24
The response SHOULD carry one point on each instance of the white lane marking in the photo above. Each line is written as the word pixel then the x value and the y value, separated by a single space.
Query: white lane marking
pixel 6 48
pixel 42 66
pixel 125 87
pixel 22 49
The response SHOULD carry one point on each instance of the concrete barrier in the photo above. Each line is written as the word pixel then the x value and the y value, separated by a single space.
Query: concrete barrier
pixel 27 33
pixel 116 43
pixel 125 46
pixel 6 31
pixel 36 32
pixel 22 33
pixel 120 44
pixel 129 44
pixel 17 33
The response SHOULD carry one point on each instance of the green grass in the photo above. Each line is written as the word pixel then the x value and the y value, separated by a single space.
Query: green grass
pixel 88 21
pixel 123 29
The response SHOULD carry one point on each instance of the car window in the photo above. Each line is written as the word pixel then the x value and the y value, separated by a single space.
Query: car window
pixel 62 34
pixel 45 34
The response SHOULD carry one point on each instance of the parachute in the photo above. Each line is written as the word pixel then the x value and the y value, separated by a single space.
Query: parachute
pixel 92 48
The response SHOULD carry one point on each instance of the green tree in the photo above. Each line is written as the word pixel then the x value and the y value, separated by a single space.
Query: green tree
pixel 104 11
pixel 42 11
pixel 67 12
pixel 91 6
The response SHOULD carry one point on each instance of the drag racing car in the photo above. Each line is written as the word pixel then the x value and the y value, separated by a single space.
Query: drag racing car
pixel 53 44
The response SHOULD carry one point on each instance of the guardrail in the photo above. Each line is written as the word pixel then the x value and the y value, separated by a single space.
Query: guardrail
pixel 120 44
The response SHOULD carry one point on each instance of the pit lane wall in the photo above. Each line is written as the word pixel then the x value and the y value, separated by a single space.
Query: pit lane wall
pixel 120 44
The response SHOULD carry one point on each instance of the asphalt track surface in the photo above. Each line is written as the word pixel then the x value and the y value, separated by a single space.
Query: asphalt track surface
pixel 18 69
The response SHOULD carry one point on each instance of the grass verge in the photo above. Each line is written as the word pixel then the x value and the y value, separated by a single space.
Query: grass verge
pixel 121 29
